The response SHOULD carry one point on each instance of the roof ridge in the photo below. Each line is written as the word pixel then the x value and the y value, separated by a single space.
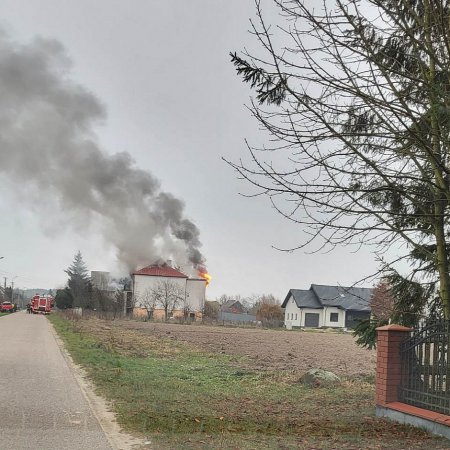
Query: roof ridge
pixel 340 286
pixel 160 270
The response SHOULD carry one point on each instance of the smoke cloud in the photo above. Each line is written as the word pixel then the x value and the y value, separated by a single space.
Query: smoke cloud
pixel 48 145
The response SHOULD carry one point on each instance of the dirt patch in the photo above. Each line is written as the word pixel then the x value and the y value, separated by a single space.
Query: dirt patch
pixel 295 351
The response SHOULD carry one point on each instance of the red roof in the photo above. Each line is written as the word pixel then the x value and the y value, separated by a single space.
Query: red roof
pixel 160 271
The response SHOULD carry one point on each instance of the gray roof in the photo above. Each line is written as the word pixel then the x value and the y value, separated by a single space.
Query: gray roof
pixel 318 296
pixel 230 303
pixel 303 299
pixel 353 298
pixel 236 317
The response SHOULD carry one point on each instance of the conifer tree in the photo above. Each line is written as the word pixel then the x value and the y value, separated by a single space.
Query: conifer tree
pixel 79 281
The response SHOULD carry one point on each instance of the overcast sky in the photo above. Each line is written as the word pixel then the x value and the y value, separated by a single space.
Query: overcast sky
pixel 162 72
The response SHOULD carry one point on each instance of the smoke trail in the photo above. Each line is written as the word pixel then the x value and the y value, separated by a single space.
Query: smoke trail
pixel 47 143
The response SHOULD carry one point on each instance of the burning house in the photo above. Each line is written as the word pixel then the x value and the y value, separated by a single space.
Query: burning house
pixel 161 291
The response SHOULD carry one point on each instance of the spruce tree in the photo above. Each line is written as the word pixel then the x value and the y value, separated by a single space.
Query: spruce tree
pixel 79 281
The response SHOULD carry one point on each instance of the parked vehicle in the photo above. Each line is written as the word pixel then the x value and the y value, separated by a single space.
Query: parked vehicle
pixel 6 307
pixel 41 305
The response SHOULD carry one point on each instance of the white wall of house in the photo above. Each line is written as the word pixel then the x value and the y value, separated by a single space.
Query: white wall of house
pixel 145 283
pixel 305 311
pixel 292 314
pixel 193 289
pixel 195 292
pixel 295 316
pixel 331 312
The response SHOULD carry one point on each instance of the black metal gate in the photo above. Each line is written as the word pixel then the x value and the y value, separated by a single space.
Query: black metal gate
pixel 425 371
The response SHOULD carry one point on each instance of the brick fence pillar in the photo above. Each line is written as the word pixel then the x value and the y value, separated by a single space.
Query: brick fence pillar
pixel 388 372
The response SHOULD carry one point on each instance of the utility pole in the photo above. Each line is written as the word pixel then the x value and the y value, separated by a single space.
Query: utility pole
pixel 4 288
pixel 12 291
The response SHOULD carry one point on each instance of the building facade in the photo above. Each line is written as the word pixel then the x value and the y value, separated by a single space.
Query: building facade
pixel 158 287
pixel 323 306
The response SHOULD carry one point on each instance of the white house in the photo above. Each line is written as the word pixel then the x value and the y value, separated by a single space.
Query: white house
pixel 148 279
pixel 326 306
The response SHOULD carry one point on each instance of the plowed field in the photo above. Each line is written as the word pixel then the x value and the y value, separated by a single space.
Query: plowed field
pixel 295 351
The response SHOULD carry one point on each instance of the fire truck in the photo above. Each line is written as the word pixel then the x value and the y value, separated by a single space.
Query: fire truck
pixel 41 304
pixel 6 307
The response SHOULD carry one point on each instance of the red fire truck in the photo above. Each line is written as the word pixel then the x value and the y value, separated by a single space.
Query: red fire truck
pixel 6 307
pixel 41 304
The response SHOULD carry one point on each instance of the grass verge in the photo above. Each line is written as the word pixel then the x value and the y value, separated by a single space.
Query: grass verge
pixel 181 398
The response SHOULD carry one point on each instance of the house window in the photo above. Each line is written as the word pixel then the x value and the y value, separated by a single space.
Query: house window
pixel 295 316
pixel 334 317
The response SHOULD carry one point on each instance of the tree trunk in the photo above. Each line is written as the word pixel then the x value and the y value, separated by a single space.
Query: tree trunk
pixel 442 261
pixel 437 161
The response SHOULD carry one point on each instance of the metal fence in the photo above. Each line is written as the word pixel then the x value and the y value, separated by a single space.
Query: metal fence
pixel 425 370
pixel 236 318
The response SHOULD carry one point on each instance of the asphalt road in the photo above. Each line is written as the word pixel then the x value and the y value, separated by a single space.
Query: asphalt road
pixel 42 406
